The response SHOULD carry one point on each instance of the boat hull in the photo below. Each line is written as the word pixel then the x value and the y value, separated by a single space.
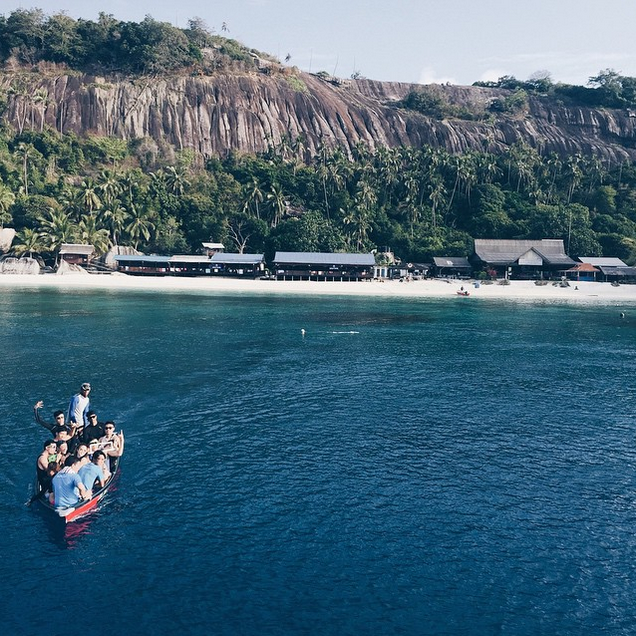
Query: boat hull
pixel 66 515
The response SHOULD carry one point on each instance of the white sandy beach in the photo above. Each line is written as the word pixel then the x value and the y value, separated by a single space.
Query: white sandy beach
pixel 433 288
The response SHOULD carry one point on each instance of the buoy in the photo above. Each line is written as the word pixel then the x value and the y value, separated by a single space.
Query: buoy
pixel 622 315
pixel 302 331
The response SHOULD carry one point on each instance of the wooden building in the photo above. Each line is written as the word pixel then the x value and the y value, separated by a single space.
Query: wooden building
pixel 76 253
pixel 220 264
pixel 323 266
pixel 611 269
pixel 238 265
pixel 452 267
pixel 521 259
pixel 142 265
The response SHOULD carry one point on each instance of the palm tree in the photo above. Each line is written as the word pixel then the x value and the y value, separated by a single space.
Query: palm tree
pixel 277 204
pixel 23 151
pixel 7 199
pixel 28 241
pixel 89 233
pixel 114 217
pixel 176 181
pixel 57 228
pixel 41 100
pixel 140 226
pixel 109 186
pixel 255 195
pixel 88 197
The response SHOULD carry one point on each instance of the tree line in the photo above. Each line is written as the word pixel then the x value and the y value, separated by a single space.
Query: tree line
pixel 418 202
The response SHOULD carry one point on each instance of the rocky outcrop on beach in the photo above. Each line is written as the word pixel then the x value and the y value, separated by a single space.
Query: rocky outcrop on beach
pixel 250 111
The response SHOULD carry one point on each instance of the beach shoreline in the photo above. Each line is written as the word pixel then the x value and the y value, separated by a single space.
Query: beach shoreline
pixel 592 292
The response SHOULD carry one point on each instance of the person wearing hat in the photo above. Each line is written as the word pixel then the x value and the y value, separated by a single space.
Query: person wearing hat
pixel 79 406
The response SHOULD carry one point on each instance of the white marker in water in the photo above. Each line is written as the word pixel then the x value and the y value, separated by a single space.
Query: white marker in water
pixel 303 332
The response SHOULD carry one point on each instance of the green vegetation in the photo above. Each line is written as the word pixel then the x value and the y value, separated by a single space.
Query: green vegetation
pixel 29 38
pixel 608 89
pixel 56 189
pixel 433 102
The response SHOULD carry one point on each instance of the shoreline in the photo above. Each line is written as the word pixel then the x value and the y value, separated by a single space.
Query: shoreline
pixel 591 292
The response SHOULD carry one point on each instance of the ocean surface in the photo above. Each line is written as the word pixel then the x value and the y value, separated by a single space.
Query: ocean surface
pixel 404 467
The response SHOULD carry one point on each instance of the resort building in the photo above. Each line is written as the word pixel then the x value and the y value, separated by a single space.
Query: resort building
pixel 220 264
pixel 610 269
pixel 323 266
pixel 521 259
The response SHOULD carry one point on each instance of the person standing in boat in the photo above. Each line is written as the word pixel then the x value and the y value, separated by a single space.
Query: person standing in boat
pixel 66 483
pixel 94 430
pixel 79 406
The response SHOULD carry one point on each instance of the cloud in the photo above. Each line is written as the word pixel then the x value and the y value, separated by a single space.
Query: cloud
pixel 428 76
pixel 492 75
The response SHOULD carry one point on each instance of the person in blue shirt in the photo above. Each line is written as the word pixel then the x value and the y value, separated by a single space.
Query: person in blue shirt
pixel 96 472
pixel 66 485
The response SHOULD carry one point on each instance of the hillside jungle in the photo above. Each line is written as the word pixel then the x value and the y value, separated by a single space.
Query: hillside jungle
pixel 418 202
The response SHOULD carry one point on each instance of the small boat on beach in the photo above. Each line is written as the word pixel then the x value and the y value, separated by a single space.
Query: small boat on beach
pixel 83 506
pixel 463 293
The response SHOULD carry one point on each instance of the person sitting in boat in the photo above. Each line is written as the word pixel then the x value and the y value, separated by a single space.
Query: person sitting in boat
pixel 93 430
pixel 81 456
pixel 66 484
pixel 95 473
pixel 79 406
pixel 62 453
pixel 112 443
pixel 46 457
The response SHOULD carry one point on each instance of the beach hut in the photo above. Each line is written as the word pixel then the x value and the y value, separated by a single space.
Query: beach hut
pixel 582 272
pixel 451 266
pixel 76 253
pixel 612 269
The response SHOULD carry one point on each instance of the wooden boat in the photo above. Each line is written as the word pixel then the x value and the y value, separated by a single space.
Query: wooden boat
pixel 84 505
pixel 463 293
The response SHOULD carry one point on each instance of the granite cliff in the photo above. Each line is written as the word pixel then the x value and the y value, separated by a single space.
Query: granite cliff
pixel 247 112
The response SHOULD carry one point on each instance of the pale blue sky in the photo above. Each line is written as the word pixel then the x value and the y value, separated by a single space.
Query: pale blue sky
pixel 459 41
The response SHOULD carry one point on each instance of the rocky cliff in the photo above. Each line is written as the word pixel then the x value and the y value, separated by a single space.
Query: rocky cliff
pixel 250 111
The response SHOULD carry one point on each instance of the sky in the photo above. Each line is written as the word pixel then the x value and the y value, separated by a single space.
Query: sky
pixel 415 41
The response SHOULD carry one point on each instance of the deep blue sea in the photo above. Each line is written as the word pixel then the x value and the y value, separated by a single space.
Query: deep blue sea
pixel 405 467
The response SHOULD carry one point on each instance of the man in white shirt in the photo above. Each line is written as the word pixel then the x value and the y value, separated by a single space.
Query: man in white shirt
pixel 79 407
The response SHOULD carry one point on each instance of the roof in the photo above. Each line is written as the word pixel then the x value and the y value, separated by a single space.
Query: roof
pixel 143 258
pixel 237 259
pixel 323 258
pixel 189 258
pixel 608 261
pixel 451 261
pixel 76 248
pixel 583 267
pixel 618 271
pixel 214 246
pixel 507 252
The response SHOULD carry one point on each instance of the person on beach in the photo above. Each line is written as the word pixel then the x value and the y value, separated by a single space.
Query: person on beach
pixel 79 406
pixel 66 484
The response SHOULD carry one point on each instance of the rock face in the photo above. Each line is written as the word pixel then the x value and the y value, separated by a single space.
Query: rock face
pixel 249 112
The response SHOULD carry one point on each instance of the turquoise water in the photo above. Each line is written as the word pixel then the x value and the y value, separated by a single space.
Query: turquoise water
pixel 405 467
